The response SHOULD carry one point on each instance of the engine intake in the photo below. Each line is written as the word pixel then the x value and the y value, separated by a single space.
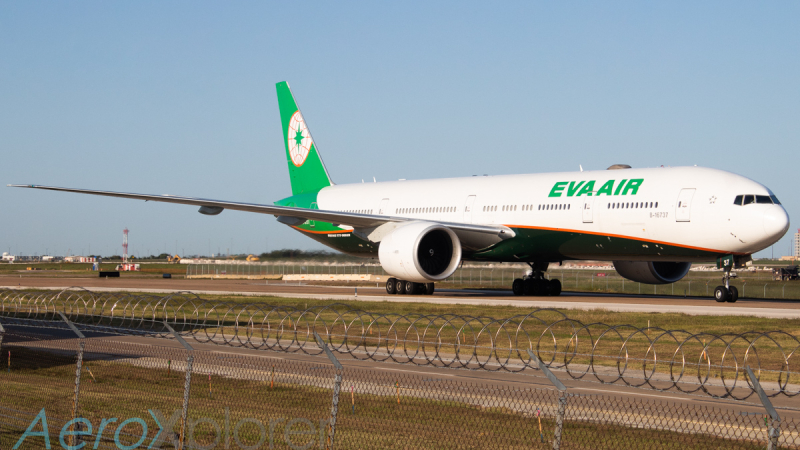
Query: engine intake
pixel 420 251
pixel 652 272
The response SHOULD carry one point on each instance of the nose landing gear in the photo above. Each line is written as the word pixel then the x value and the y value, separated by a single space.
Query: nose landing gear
pixel 536 284
pixel 726 293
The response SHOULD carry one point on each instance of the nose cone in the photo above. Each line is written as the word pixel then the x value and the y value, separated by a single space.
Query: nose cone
pixel 776 223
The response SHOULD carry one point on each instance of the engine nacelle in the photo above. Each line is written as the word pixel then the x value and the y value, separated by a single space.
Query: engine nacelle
pixel 652 272
pixel 420 252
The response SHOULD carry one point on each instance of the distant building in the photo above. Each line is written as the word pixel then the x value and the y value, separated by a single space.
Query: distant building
pixel 80 259
pixel 797 244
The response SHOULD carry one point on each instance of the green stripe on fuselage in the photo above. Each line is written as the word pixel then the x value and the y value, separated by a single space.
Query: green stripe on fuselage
pixel 531 244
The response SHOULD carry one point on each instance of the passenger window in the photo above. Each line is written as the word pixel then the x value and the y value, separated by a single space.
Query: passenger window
pixel 749 199
pixel 775 199
pixel 764 199
pixel 738 200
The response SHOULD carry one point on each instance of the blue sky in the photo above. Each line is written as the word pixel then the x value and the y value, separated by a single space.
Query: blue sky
pixel 179 98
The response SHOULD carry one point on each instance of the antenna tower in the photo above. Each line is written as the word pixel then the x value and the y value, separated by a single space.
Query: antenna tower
pixel 125 245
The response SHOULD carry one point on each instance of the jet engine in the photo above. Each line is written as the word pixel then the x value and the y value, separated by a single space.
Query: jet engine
pixel 652 272
pixel 420 252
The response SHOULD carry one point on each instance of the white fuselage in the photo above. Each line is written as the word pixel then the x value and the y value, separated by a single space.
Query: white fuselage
pixel 687 207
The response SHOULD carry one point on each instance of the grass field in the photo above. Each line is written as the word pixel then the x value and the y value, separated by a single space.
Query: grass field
pixel 438 415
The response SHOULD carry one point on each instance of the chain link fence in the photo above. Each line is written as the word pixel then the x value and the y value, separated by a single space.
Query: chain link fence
pixel 644 357
pixel 751 284
pixel 65 390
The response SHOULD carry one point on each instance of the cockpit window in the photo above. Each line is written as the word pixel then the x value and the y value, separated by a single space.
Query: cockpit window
pixel 763 199
pixel 759 199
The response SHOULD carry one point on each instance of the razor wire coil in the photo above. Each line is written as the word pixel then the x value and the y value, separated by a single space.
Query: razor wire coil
pixel 650 357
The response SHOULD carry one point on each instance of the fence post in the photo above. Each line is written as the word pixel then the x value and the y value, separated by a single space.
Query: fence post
pixel 562 399
pixel 78 369
pixel 337 385
pixel 187 383
pixel 774 431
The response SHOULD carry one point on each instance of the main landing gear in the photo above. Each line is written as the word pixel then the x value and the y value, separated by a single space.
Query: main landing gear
pixel 726 293
pixel 536 284
pixel 395 286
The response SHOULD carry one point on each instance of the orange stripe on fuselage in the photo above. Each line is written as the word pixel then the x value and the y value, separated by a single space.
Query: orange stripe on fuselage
pixel 567 230
pixel 321 232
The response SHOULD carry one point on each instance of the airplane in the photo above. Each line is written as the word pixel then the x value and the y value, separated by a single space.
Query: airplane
pixel 652 223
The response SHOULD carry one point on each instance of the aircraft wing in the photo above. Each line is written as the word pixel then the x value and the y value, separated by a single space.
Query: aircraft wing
pixel 474 235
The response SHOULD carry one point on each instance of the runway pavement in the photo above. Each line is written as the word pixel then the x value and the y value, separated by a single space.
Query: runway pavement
pixel 620 303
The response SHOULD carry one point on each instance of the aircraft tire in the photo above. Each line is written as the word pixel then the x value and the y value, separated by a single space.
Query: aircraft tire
pixel 734 294
pixel 721 294
pixel 429 288
pixel 391 285
pixel 518 286
pixel 534 288
pixel 527 287
pixel 410 288
pixel 400 287
pixel 554 287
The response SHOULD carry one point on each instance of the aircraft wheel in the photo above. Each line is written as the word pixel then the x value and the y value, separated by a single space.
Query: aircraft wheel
pixel 527 287
pixel 554 287
pixel 429 288
pixel 410 288
pixel 734 294
pixel 400 287
pixel 518 287
pixel 721 294
pixel 534 288
pixel 391 285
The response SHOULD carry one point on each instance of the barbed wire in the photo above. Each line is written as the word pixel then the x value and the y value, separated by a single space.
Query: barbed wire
pixel 651 357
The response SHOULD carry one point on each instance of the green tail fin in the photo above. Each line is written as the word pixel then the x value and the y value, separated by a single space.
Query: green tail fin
pixel 306 170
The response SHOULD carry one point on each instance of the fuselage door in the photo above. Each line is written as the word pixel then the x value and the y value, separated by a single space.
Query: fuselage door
pixel 382 209
pixel 587 210
pixel 684 206
pixel 468 205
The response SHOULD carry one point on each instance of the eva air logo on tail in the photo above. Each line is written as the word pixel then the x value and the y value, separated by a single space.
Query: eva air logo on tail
pixel 298 139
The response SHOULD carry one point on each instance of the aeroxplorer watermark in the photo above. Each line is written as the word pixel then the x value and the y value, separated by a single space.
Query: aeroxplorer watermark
pixel 81 433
